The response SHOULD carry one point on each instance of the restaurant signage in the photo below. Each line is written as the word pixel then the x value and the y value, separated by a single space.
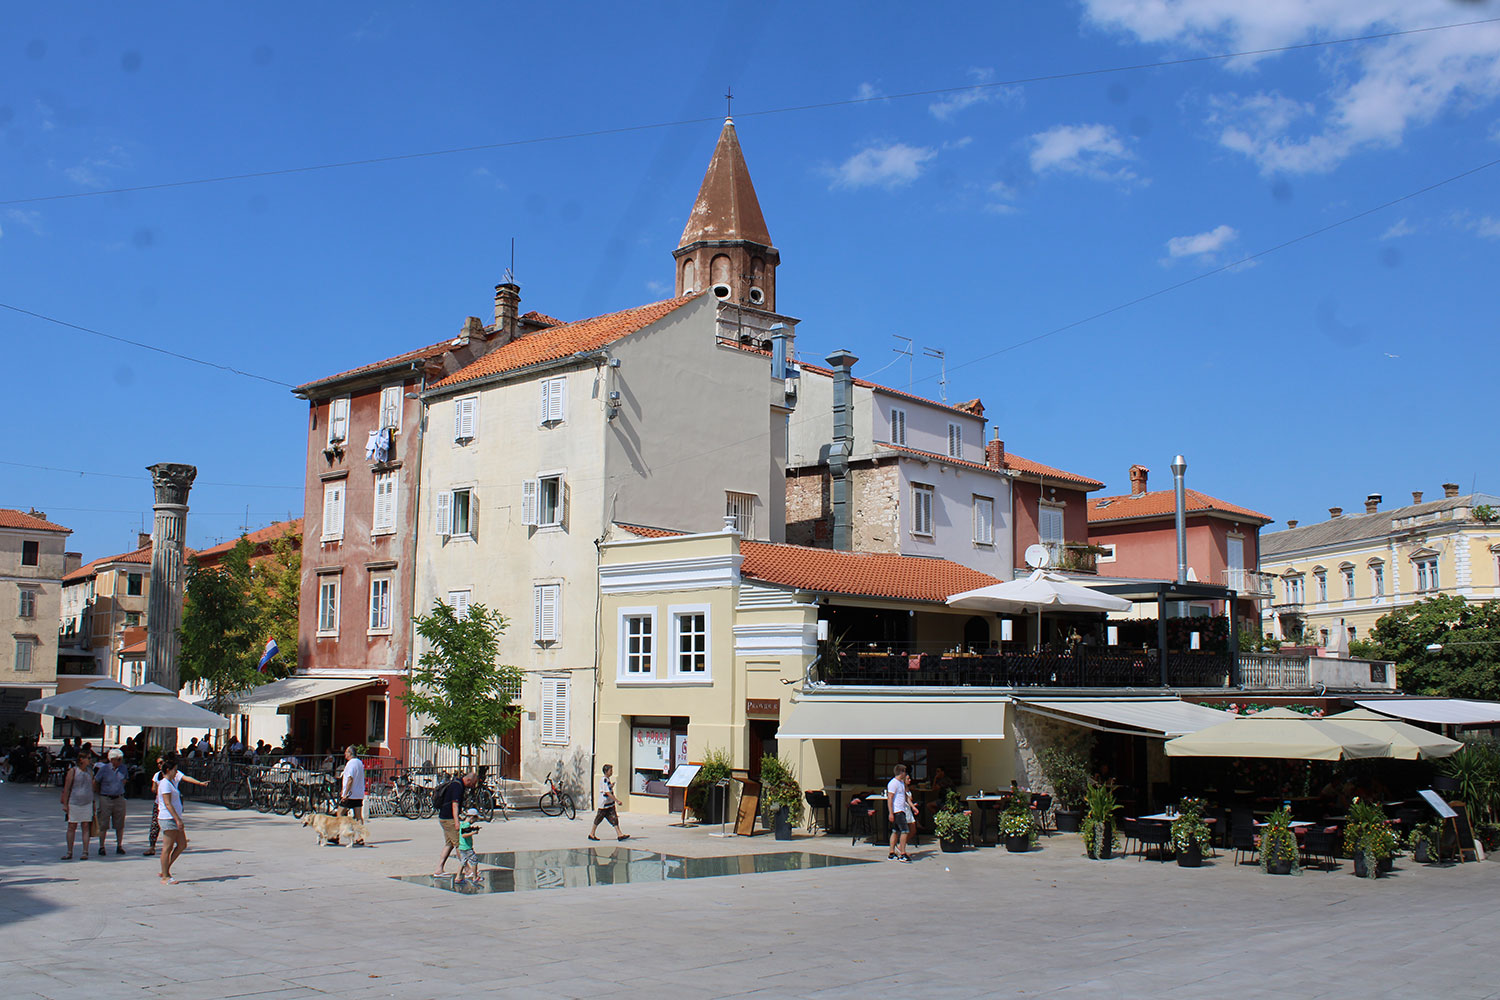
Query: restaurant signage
pixel 763 707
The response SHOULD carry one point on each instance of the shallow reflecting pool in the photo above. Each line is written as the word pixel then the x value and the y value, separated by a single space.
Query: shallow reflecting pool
pixel 523 871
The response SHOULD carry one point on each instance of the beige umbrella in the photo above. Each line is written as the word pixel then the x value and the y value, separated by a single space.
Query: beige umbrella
pixel 1279 733
pixel 1408 742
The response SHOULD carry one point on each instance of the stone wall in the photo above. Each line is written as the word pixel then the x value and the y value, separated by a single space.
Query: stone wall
pixel 808 506
pixel 875 506
pixel 1036 732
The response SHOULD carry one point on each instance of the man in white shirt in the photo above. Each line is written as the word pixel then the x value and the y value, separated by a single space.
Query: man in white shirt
pixel 608 807
pixel 898 804
pixel 352 799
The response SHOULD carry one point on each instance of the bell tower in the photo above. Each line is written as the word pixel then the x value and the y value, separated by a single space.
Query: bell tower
pixel 725 247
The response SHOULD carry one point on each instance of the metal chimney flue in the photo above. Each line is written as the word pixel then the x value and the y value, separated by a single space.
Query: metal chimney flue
pixel 1179 484
pixel 842 363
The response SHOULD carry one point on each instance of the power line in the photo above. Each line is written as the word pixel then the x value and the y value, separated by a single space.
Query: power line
pixel 121 475
pixel 790 109
pixel 144 346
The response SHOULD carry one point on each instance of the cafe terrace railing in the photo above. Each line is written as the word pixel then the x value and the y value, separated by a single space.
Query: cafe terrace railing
pixel 1084 667
pixel 1274 673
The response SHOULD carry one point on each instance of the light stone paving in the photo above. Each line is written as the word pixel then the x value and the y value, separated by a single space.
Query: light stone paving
pixel 263 912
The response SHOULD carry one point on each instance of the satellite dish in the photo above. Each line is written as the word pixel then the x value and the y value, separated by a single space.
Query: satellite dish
pixel 1037 556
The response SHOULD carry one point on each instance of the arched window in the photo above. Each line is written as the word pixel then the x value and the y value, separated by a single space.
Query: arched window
pixel 688 276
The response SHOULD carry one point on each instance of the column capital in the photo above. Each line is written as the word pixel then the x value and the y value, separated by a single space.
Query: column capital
pixel 172 481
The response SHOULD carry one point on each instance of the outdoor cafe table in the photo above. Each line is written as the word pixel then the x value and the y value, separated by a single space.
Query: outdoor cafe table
pixel 1169 817
pixel 986 806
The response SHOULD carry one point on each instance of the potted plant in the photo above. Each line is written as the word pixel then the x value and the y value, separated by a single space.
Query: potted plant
pixel 1069 776
pixel 1190 836
pixel 707 801
pixel 1098 823
pixel 951 824
pixel 780 796
pixel 1368 839
pixel 1278 845
pixel 1425 842
pixel 1018 826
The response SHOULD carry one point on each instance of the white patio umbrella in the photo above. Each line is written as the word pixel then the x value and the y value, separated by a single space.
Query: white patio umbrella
pixel 1039 591
pixel 149 705
pixel 1408 742
pixel 1279 733
pixel 57 705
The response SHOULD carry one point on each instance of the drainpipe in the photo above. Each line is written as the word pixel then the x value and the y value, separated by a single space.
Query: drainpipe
pixel 842 363
pixel 1179 471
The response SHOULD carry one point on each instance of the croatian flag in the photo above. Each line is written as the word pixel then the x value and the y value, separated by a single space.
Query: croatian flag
pixel 269 655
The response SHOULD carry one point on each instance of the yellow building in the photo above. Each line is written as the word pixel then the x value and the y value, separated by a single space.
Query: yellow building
pixel 1335 579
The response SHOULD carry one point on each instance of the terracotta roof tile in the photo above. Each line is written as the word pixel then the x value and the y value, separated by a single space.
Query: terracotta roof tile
pixel 28 522
pixel 1026 466
pixel 932 456
pixel 266 535
pixel 420 354
pixel 561 341
pixel 540 319
pixel 141 556
pixel 1163 503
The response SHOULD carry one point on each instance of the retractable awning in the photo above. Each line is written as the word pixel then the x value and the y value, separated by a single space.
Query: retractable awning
pixel 1159 717
pixel 1437 711
pixel 289 691
pixel 817 719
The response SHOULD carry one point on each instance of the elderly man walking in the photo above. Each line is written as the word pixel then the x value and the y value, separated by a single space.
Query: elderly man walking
pixel 352 792
pixel 109 785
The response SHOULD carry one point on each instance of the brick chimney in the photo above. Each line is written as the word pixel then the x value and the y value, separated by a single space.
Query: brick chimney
pixel 507 308
pixel 472 330
pixel 143 539
pixel 1138 480
pixel 1416 496
pixel 1372 503
pixel 1450 490
pixel 1292 523
pixel 994 452
pixel 1335 512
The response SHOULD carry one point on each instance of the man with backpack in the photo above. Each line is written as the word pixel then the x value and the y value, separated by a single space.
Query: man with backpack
pixel 449 799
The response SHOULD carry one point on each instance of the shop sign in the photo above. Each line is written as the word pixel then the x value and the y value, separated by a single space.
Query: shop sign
pixel 763 707
pixel 650 748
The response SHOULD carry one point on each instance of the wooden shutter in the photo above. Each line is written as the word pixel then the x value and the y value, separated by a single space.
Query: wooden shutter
pixel 338 419
pixel 465 412
pixel 530 490
pixel 545 617
pixel 554 720
pixel 564 496
pixel 984 520
pixel 390 407
pixel 444 515
pixel 557 402
pixel 955 441
pixel 333 510
pixel 458 600
pixel 385 500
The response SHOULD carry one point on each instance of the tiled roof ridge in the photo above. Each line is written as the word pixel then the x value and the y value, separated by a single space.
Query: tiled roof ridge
pixel 266 534
pixel 420 353
pixel 934 456
pixel 1197 501
pixel 12 518
pixel 867 384
pixel 1047 471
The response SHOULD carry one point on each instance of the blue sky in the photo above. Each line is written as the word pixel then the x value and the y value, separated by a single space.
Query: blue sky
pixel 1354 362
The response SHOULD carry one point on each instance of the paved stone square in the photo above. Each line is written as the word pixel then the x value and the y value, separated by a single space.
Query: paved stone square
pixel 263 912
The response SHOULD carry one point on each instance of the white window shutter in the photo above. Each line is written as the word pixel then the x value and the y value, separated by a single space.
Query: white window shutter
pixel 898 426
pixel 566 494
pixel 545 413
pixel 333 510
pixel 465 414
pixel 529 491
pixel 558 404
pixel 445 513
pixel 545 627
pixel 537 634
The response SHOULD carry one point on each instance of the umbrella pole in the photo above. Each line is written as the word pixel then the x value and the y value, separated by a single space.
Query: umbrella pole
pixel 1038 628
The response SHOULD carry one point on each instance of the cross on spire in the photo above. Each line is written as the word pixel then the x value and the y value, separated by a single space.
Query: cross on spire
pixel 729 102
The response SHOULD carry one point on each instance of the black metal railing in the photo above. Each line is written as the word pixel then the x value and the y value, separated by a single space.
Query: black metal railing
pixel 1084 667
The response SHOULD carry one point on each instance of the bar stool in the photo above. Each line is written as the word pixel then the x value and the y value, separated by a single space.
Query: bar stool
pixel 818 801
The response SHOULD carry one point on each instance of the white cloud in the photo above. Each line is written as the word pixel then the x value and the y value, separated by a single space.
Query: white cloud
pixel 1203 245
pixel 868 92
pixel 982 92
pixel 889 166
pixel 1487 226
pixel 657 287
pixel 1089 150
pixel 1002 197
pixel 1398 229
pixel 1372 93
pixel 30 218
pixel 90 172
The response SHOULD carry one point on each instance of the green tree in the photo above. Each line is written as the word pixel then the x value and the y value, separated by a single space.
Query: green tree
pixel 1467 665
pixel 220 645
pixel 275 580
pixel 457 686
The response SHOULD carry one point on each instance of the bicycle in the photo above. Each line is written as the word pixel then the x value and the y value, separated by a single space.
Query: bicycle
pixel 556 802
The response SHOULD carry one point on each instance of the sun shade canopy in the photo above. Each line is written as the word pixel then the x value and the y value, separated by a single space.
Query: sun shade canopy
pixel 886 720
pixel 1278 733
pixel 1438 711
pixel 289 691
pixel 1407 742
pixel 1160 717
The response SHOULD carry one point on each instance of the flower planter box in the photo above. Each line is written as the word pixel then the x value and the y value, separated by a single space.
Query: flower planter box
pixel 783 825
pixel 1279 867
pixel 1019 844
pixel 1067 820
pixel 1190 858
pixel 950 846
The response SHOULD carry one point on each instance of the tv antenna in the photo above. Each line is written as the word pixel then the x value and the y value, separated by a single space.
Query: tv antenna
pixel 510 272
pixel 908 353
pixel 933 352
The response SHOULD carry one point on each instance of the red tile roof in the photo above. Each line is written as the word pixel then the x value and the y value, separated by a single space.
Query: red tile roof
pixel 856 574
pixel 140 556
pixel 261 536
pixel 932 456
pixel 420 354
pixel 1027 467
pixel 27 522
pixel 1163 503
pixel 540 319
pixel 561 341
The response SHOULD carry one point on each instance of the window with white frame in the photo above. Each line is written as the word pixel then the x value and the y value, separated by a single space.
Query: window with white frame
pixel 1427 573
pixel 375 715
pixel 898 426
pixel 554 715
pixel 741 507
pixel 455 513
pixel 384 519
pixel 984 520
pixel 1322 579
pixel 921 509
pixel 333 511
pixel 328 605
pixel 955 440
pixel 1377 579
pixel 23 655
pixel 380 602
pixel 1106 553
pixel 637 642
pixel 544 502
pixel 1348 573
pixel 28 603
pixel 554 403
pixel 1293 587
pixel 690 642
pixel 546 612
pixel 338 420
pixel 465 418
pixel 390 407
pixel 459 601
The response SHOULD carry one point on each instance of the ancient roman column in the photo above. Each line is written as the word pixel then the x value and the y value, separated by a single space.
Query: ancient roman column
pixel 164 608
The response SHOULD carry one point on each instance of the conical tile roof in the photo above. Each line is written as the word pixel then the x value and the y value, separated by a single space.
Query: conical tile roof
pixel 727 208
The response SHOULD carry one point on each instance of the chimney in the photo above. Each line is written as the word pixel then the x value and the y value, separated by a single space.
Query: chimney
pixel 1138 479
pixel 472 330
pixel 1450 490
pixel 1292 523
pixel 143 539
pixel 71 561
pixel 1416 496
pixel 507 308
pixel 1372 503
pixel 842 363
pixel 40 515
pixel 1335 512
pixel 994 452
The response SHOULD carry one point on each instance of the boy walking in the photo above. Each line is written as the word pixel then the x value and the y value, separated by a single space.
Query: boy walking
pixel 608 810
pixel 468 861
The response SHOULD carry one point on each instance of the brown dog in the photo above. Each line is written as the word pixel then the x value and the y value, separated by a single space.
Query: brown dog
pixel 335 828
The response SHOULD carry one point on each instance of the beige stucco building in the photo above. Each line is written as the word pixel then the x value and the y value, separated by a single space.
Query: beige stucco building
pixel 1335 579
pixel 32 563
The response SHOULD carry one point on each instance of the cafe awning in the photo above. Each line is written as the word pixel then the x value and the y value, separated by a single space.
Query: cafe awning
pixel 1437 711
pixel 283 694
pixel 1159 717
pixel 951 719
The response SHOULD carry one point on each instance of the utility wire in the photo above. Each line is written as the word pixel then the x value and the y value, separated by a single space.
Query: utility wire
pixel 790 109
pixel 121 475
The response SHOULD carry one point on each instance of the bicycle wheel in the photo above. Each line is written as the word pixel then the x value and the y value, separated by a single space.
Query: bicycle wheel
pixel 549 805
pixel 484 802
pixel 235 794
pixel 568 808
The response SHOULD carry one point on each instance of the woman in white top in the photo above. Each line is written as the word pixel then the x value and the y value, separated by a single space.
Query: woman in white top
pixel 169 810
pixel 78 803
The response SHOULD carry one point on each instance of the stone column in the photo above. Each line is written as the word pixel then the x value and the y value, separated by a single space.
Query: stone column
pixel 164 610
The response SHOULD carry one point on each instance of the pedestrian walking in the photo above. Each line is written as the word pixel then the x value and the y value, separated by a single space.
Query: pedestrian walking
pixel 468 861
pixel 608 806
pixel 156 826
pixel 898 806
pixel 352 795
pixel 78 802
pixel 109 783
pixel 169 808
pixel 450 799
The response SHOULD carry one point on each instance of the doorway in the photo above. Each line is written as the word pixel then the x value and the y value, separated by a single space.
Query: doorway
pixel 762 742
pixel 323 725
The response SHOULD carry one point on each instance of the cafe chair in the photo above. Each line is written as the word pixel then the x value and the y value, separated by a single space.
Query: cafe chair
pixel 1154 833
pixel 1130 830
pixel 818 802
pixel 1041 805
pixel 861 820
pixel 1244 841
pixel 1319 845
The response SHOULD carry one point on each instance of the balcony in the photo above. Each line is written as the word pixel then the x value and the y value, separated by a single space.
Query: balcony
pixel 1249 582
pixel 1083 667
